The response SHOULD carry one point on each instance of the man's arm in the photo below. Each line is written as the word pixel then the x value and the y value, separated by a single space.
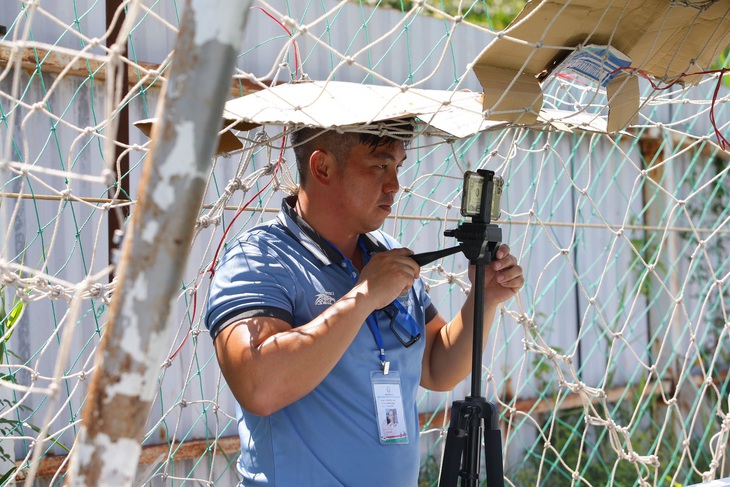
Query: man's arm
pixel 269 365
pixel 447 357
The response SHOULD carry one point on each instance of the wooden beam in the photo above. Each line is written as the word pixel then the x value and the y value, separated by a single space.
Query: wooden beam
pixel 85 65
pixel 230 445
pixel 539 405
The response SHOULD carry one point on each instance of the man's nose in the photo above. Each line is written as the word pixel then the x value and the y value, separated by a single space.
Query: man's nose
pixel 391 183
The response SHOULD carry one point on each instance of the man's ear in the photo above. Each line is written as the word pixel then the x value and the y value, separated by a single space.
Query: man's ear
pixel 321 167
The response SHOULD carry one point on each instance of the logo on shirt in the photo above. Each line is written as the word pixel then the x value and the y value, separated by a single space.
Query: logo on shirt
pixel 405 299
pixel 324 299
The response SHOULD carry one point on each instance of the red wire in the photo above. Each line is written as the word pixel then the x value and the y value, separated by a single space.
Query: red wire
pixel 286 29
pixel 241 210
pixel 220 244
pixel 721 140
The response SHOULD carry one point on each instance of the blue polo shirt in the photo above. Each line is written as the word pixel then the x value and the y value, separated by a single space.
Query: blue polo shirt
pixel 284 269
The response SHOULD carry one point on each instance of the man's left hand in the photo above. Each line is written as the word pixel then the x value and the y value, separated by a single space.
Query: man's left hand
pixel 503 277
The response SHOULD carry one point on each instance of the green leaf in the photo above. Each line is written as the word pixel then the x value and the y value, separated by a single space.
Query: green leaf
pixel 7 475
pixel 15 313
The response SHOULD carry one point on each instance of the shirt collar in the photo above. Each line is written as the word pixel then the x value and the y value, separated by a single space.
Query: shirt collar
pixel 314 242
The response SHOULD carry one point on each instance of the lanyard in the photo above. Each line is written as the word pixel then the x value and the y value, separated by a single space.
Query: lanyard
pixel 407 319
pixel 371 321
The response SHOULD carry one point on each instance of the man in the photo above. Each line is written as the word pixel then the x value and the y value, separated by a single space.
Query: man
pixel 321 324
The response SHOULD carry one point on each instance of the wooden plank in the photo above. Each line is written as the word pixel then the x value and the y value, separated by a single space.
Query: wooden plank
pixel 85 65
pixel 230 445
pixel 539 405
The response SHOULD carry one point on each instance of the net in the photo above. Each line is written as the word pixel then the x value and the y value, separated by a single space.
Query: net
pixel 610 367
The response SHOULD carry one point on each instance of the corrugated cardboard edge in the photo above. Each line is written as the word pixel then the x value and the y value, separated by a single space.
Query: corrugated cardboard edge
pixel 623 102
pixel 227 143
pixel 441 113
pixel 509 95
pixel 663 40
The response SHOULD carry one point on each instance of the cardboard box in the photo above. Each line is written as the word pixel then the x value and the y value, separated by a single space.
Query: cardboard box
pixel 343 105
pixel 663 39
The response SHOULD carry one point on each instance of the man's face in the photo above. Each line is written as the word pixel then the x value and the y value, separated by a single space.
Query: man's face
pixel 368 183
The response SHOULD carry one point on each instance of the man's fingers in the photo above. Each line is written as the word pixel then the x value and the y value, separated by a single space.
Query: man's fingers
pixel 511 277
pixel 502 251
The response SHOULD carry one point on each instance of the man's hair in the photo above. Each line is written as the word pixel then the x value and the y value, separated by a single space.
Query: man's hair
pixel 306 140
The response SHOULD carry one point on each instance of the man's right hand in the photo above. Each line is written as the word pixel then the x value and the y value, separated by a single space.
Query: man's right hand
pixel 387 275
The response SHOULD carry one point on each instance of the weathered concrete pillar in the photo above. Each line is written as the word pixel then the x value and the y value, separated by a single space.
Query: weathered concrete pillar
pixel 156 245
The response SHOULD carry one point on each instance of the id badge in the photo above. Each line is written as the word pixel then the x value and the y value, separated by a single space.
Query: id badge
pixel 391 415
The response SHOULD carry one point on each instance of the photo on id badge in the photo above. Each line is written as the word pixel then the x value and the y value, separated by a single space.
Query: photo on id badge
pixel 391 414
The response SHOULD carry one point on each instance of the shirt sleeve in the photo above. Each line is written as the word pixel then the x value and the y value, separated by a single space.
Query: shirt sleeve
pixel 250 281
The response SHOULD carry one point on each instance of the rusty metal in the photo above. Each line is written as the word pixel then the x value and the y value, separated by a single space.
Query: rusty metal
pixel 115 16
pixel 156 245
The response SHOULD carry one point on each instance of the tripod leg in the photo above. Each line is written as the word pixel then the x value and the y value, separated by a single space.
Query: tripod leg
pixel 455 445
pixel 470 472
pixel 493 446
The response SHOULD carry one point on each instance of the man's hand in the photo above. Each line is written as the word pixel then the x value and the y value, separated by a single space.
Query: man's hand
pixel 447 358
pixel 387 275
pixel 503 277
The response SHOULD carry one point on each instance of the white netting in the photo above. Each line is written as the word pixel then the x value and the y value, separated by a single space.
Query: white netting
pixel 609 368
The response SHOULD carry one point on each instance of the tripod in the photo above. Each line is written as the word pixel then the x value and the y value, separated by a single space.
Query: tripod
pixel 469 417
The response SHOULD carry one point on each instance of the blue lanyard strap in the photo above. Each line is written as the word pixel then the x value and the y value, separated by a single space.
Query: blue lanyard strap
pixel 405 318
pixel 373 325
pixel 402 317
pixel 371 320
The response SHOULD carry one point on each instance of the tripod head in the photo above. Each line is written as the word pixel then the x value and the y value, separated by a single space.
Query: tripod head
pixel 479 239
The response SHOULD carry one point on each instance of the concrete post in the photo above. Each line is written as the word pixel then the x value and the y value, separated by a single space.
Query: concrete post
pixel 156 246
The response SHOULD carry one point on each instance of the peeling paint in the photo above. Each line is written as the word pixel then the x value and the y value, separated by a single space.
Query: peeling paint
pixel 129 384
pixel 131 340
pixel 116 464
pixel 227 33
pixel 177 164
pixel 150 230
pixel 84 452
pixel 133 384
pixel 107 459
pixel 115 467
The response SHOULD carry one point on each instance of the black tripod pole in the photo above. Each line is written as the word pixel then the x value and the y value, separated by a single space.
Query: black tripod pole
pixel 476 349
pixel 473 446
pixel 474 415
pixel 471 417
